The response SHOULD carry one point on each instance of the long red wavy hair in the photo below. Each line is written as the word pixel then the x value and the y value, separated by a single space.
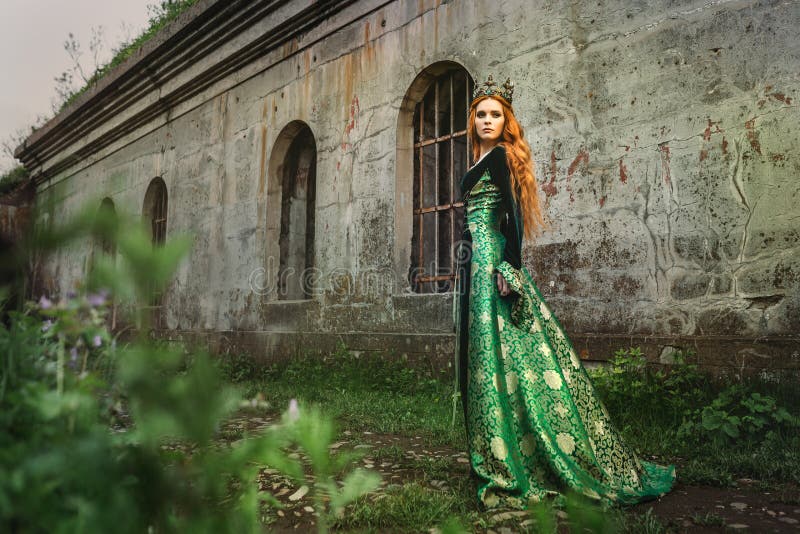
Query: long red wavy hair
pixel 520 163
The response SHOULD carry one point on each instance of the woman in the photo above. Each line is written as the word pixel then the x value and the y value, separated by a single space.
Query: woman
pixel 535 425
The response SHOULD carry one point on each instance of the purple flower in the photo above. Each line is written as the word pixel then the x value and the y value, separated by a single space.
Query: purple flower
pixel 73 354
pixel 45 303
pixel 97 299
pixel 47 325
pixel 97 340
pixel 71 294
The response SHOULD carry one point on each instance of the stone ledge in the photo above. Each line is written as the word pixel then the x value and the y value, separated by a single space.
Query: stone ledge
pixel 429 351
pixel 740 355
pixel 729 356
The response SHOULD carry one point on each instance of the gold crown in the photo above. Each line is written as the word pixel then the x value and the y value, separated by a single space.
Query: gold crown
pixel 490 88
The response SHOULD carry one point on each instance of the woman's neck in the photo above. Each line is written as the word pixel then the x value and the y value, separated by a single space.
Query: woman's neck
pixel 485 149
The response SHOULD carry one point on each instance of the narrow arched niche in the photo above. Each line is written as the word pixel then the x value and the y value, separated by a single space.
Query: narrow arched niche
pixel 291 194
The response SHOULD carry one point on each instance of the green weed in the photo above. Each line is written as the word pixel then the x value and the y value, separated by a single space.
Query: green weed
pixel 408 508
pixel 708 520
pixel 390 453
pixel 646 523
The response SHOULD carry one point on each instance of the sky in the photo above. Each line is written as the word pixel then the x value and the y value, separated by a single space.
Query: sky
pixel 32 35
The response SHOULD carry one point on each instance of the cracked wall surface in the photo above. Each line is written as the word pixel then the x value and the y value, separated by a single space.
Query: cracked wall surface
pixel 667 152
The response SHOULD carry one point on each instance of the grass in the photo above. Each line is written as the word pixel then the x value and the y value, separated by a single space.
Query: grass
pixel 411 507
pixel 434 468
pixel 391 453
pixel 645 523
pixel 775 463
pixel 708 520
pixel 363 394
pixel 387 396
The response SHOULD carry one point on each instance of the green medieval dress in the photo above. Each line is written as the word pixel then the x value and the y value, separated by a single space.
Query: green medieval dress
pixel 535 425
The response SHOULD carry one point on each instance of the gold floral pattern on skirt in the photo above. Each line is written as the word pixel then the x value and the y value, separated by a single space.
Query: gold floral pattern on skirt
pixel 536 425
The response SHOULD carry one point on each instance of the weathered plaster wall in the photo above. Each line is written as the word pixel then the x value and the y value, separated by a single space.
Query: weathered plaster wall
pixel 666 149
pixel 669 160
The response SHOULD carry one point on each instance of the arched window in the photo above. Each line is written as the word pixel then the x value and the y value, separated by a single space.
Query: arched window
pixel 101 243
pixel 107 211
pixel 108 247
pixel 155 209
pixel 440 160
pixel 154 213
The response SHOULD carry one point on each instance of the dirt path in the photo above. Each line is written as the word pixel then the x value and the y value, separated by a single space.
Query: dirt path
pixel 744 508
pixel 692 509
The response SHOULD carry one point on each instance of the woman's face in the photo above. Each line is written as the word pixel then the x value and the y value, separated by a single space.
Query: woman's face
pixel 489 121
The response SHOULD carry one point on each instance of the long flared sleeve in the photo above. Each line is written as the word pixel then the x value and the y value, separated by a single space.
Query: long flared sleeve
pixel 511 222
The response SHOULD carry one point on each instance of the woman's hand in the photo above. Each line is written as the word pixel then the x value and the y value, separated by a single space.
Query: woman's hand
pixel 502 285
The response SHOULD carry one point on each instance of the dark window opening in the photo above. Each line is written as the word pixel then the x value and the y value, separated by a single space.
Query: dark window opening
pixel 440 160
pixel 155 213
pixel 296 241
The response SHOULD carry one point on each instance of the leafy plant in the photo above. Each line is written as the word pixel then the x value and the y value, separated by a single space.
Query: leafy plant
pixel 748 429
pixel 627 380
pixel 313 433
pixel 739 413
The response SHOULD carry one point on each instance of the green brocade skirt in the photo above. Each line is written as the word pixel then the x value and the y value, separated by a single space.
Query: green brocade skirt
pixel 535 425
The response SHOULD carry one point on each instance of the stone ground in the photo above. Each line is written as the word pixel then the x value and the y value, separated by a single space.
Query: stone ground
pixel 692 509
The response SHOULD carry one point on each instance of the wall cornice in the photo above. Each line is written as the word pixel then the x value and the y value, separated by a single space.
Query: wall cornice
pixel 202 46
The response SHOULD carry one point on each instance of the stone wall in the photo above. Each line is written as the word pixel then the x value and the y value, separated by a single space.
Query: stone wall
pixel 665 142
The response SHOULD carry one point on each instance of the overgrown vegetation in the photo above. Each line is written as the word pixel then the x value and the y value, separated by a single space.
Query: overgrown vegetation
pixel 12 178
pixel 161 14
pixel 717 430
pixel 64 381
